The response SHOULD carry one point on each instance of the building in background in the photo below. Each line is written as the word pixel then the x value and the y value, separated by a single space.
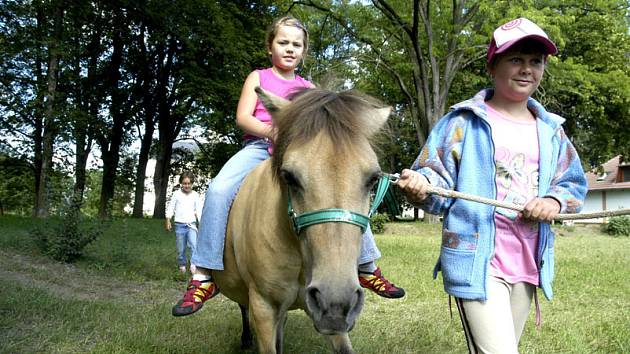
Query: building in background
pixel 608 188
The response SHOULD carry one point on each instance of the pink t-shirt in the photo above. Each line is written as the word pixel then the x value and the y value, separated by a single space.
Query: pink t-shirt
pixel 516 158
pixel 278 86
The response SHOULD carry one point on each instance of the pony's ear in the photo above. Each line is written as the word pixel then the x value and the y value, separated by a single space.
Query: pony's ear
pixel 271 102
pixel 377 118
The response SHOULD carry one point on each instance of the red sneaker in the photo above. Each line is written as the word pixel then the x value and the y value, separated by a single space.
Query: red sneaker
pixel 381 286
pixel 196 294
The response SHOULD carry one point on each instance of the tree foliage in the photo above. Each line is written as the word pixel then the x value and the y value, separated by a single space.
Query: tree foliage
pixel 589 82
pixel 423 56
pixel 16 185
pixel 121 76
pixel 155 65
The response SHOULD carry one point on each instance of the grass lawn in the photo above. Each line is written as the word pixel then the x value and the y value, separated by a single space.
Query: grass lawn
pixel 118 298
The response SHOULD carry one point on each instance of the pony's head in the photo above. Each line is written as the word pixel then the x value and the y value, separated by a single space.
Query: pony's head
pixel 323 154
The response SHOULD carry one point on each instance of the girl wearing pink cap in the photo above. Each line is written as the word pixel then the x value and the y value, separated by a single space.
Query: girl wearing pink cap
pixel 500 144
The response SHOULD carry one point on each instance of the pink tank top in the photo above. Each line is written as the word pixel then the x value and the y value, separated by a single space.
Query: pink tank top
pixel 278 86
pixel 516 158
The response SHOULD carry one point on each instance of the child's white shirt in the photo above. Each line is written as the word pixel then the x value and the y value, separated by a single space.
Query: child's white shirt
pixel 185 207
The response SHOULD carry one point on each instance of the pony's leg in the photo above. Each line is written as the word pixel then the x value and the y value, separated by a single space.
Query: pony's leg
pixel 282 320
pixel 265 318
pixel 246 336
pixel 341 343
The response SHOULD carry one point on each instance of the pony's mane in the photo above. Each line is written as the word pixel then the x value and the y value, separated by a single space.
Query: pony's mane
pixel 343 116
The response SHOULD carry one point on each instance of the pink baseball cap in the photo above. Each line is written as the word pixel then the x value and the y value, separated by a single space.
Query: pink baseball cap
pixel 510 33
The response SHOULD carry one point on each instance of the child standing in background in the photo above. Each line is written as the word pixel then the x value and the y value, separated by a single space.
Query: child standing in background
pixel 501 144
pixel 185 206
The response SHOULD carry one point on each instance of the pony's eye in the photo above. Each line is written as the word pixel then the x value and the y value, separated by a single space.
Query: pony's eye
pixel 371 181
pixel 290 179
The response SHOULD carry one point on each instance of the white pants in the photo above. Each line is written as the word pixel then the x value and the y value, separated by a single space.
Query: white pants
pixel 496 325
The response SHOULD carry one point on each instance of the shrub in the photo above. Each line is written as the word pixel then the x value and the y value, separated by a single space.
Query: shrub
pixel 377 223
pixel 65 238
pixel 619 226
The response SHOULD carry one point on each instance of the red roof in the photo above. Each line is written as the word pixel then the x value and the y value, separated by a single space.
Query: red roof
pixel 607 180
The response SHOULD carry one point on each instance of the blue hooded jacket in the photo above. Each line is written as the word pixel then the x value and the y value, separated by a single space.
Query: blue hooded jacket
pixel 459 155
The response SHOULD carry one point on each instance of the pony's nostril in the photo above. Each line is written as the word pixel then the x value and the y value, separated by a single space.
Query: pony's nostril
pixel 358 298
pixel 356 306
pixel 314 300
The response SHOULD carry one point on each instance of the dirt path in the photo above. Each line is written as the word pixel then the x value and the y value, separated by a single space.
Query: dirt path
pixel 69 282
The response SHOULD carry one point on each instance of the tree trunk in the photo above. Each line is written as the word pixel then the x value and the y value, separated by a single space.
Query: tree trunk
pixel 141 172
pixel 47 143
pixel 169 126
pixel 50 124
pixel 160 179
pixel 88 103
pixel 80 172
pixel 38 124
pixel 110 168
pixel 111 143
pixel 81 149
pixel 111 157
pixel 149 128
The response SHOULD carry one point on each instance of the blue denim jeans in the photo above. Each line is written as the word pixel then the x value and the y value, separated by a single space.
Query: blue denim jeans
pixel 185 235
pixel 219 197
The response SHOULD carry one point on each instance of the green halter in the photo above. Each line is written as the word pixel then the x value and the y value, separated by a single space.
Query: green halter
pixel 304 220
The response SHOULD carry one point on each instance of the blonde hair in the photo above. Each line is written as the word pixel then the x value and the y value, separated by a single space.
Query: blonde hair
pixel 286 21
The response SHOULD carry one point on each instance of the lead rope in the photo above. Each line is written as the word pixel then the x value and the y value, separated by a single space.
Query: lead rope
pixel 381 190
pixel 447 193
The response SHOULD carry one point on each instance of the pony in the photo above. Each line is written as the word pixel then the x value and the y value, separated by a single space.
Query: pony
pixel 323 160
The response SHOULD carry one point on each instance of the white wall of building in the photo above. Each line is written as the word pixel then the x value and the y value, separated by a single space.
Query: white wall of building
pixel 593 202
pixel 614 200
